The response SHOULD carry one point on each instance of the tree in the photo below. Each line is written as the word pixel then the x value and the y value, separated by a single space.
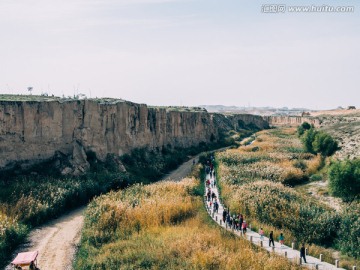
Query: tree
pixel 308 138
pixel 302 128
pixel 323 143
pixel 349 230
pixel 344 179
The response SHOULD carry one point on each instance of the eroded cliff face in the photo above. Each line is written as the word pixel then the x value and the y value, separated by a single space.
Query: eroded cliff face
pixel 33 132
pixel 291 120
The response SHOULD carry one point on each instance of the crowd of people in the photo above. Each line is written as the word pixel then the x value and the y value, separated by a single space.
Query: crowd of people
pixel 235 221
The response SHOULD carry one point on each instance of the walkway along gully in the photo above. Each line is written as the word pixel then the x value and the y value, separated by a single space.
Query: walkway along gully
pixel 292 254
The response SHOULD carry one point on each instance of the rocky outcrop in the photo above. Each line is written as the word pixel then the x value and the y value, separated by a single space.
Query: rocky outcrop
pixel 32 132
pixel 291 120
pixel 240 121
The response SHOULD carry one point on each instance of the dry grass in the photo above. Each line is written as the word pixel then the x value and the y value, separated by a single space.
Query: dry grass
pixel 277 155
pixel 163 226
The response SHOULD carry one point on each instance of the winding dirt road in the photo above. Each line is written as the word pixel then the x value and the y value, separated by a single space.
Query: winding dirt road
pixel 57 240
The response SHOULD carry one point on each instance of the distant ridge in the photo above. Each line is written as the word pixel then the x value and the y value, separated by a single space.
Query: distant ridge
pixel 266 111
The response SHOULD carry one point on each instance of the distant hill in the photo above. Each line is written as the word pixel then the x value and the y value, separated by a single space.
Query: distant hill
pixel 255 110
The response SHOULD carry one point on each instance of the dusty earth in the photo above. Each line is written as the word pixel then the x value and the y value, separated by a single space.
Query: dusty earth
pixel 319 190
pixel 57 240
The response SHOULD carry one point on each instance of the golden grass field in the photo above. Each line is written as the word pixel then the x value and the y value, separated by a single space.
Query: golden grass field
pixel 163 226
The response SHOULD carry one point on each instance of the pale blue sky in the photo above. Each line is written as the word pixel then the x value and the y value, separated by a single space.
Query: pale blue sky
pixel 182 52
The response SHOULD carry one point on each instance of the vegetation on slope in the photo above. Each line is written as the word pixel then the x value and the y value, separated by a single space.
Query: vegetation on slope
pixel 344 179
pixel 253 181
pixel 30 200
pixel 316 141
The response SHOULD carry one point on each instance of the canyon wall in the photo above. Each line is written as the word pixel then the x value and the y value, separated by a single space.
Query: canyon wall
pixel 291 120
pixel 32 132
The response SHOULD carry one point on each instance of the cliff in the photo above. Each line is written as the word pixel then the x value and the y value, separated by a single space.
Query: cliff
pixel 291 120
pixel 35 131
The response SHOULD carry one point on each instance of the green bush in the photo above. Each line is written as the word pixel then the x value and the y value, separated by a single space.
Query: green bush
pixel 324 144
pixel 316 177
pixel 307 139
pixel 302 128
pixel 349 232
pixel 11 235
pixel 344 179
pixel 319 142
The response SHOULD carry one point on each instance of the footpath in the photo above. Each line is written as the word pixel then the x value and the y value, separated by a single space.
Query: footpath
pixel 292 254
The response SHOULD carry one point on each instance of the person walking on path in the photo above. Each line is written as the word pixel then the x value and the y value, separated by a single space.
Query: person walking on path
pixel 261 232
pixel 244 226
pixel 302 253
pixel 271 239
pixel 216 206
pixel 224 215
pixel 213 196
pixel 281 239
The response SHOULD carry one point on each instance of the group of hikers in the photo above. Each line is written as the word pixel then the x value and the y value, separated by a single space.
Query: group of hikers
pixel 236 221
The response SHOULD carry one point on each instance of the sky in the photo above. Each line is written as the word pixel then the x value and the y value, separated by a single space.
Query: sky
pixel 183 52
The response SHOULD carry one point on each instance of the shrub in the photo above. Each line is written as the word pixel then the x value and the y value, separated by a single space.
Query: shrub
pixel 308 139
pixel 344 179
pixel 12 233
pixel 324 144
pixel 316 177
pixel 349 231
pixel 302 128
pixel 300 164
pixel 319 142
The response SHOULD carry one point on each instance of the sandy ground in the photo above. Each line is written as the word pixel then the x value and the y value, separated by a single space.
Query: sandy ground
pixel 316 189
pixel 57 240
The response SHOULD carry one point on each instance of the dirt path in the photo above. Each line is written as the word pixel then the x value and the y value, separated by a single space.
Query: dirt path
pixel 182 171
pixel 56 241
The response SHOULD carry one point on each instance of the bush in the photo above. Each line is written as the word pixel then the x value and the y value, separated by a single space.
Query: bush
pixel 300 164
pixel 324 144
pixel 344 179
pixel 316 177
pixel 307 139
pixel 319 142
pixel 12 233
pixel 349 240
pixel 302 128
